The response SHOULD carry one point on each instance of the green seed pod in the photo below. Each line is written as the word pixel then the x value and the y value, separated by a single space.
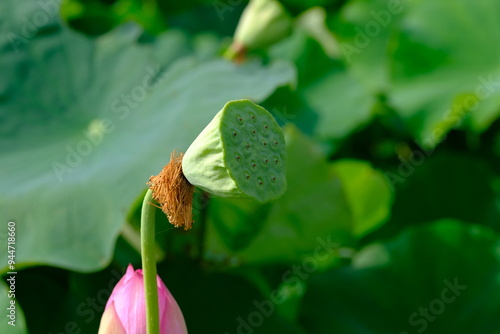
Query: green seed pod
pixel 240 153
pixel 262 23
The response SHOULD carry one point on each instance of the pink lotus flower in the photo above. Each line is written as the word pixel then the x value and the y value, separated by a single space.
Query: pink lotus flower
pixel 125 311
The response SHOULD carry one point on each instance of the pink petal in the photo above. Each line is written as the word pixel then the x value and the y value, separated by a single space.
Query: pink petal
pixel 119 286
pixel 171 318
pixel 110 323
pixel 129 302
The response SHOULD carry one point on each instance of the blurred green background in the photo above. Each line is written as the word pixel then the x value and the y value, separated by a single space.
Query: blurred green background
pixel 391 220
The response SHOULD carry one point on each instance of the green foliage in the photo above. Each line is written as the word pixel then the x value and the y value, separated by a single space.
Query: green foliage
pixel 434 60
pixel 423 276
pixel 389 111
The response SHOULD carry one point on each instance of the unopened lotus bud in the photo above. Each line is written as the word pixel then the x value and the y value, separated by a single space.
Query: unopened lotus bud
pixel 262 23
pixel 125 311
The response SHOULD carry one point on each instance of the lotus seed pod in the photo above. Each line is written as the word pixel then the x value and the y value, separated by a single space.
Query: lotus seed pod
pixel 262 23
pixel 241 153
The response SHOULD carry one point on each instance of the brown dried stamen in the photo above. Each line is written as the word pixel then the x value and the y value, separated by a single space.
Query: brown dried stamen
pixel 173 192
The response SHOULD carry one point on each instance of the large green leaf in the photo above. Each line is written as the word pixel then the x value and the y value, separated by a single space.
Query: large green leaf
pixel 447 65
pixel 440 277
pixel 102 116
pixel 435 59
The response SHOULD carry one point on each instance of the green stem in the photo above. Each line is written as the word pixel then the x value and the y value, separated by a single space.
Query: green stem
pixel 149 264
